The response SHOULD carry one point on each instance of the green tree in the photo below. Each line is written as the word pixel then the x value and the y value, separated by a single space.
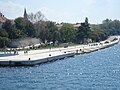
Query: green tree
pixel 8 27
pixel 41 30
pixel 67 33
pixel 3 33
pixel 16 33
pixel 29 29
pixel 46 31
pixel 111 27
pixel 3 38
pixel 26 27
pixel 4 41
pixel 83 32
pixel 52 32
pixel 20 23
pixel 97 34
pixel 12 31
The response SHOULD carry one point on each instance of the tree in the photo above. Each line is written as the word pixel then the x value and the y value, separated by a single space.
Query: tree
pixel 4 42
pixel 97 34
pixel 34 18
pixel 8 27
pixel 29 29
pixel 3 33
pixel 12 31
pixel 111 27
pixel 41 31
pixel 83 32
pixel 26 27
pixel 3 38
pixel 67 33
pixel 87 27
pixel 16 33
pixel 46 31
pixel 52 31
pixel 86 21
pixel 20 23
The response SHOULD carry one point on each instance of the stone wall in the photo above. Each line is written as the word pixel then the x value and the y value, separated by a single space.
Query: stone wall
pixel 24 42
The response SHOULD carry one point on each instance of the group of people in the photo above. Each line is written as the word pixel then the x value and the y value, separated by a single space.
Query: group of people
pixel 15 52
pixel 26 52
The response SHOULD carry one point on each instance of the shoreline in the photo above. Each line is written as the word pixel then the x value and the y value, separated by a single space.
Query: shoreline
pixel 35 57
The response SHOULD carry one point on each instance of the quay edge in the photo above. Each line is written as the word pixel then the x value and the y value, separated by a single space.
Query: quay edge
pixel 35 62
pixel 64 53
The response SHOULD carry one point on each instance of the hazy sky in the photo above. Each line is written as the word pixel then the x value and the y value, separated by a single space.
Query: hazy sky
pixel 64 10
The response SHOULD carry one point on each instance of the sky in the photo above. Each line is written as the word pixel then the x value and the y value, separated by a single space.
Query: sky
pixel 69 11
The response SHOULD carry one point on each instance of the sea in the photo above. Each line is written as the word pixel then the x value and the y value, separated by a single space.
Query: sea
pixel 99 70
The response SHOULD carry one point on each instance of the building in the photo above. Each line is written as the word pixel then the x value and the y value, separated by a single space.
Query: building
pixel 76 25
pixel 3 19
pixel 25 14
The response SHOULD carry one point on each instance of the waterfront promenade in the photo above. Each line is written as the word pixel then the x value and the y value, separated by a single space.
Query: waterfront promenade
pixel 40 56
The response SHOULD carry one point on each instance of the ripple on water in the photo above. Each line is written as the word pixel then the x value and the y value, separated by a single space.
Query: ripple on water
pixel 93 71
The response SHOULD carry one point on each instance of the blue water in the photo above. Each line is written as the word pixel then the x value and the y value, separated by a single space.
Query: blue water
pixel 98 70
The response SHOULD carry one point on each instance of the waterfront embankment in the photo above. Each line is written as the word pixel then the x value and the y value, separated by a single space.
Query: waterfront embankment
pixel 35 57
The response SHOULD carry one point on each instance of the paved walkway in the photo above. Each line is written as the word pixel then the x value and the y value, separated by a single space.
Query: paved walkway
pixel 44 53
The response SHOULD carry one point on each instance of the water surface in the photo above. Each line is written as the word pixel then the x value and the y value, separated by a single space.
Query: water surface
pixel 98 70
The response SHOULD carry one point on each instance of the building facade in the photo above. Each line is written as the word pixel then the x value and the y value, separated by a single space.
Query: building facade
pixel 3 19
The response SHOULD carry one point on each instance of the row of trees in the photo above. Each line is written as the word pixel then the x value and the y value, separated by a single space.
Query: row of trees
pixel 20 28
pixel 107 28
pixel 47 31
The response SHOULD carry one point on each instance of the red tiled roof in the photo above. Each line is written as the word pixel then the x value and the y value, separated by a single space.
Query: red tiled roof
pixel 2 19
